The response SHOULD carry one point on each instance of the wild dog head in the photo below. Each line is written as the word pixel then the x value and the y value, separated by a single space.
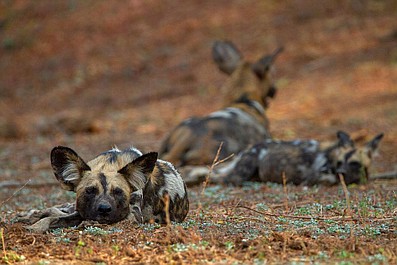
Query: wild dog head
pixel 104 184
pixel 248 81
pixel 356 163
pixel 336 153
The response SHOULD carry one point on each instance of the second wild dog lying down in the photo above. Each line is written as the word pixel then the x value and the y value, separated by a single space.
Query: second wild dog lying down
pixel 243 120
pixel 119 185
pixel 304 162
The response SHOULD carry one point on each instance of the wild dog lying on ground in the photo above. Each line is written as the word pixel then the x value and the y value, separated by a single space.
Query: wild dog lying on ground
pixel 242 122
pixel 114 186
pixel 304 162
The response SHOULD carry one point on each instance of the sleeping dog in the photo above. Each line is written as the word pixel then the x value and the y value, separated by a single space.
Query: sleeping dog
pixel 304 162
pixel 114 186
pixel 121 184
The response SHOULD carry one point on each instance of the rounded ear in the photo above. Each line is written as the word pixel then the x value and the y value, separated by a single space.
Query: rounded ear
pixel 262 66
pixel 68 167
pixel 344 139
pixel 138 171
pixel 226 56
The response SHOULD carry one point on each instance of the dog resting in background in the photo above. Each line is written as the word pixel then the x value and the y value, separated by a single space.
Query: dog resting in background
pixel 243 120
pixel 304 162
pixel 114 186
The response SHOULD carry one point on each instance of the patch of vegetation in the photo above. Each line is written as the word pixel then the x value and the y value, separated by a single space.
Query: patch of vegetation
pixel 179 247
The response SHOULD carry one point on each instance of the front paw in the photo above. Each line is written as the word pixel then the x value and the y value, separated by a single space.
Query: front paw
pixel 135 215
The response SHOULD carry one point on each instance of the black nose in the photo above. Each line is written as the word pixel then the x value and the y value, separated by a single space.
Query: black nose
pixel 104 208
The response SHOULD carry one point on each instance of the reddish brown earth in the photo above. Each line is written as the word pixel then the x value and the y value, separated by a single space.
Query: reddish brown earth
pixel 94 74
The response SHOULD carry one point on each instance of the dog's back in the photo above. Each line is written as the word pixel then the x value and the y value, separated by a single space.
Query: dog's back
pixel 268 160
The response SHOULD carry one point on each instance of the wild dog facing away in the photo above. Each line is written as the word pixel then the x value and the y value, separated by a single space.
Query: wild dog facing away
pixel 114 186
pixel 242 122
pixel 304 162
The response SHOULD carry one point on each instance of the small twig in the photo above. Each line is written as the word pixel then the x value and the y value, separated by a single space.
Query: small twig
pixel 349 211
pixel 15 184
pixel 166 199
pixel 344 187
pixel 33 241
pixel 285 192
pixel 15 192
pixel 250 218
pixel 214 163
pixel 285 239
pixel 230 210
pixel 294 203
pixel 237 204
pixel 223 160
pixel 3 242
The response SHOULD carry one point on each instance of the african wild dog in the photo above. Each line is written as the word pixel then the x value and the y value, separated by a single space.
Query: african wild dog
pixel 119 185
pixel 302 161
pixel 242 122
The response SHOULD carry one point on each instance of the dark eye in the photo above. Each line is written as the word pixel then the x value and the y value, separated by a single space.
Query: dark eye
pixel 339 164
pixel 91 190
pixel 118 192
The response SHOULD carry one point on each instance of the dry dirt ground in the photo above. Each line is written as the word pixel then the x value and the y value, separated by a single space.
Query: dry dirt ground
pixel 94 74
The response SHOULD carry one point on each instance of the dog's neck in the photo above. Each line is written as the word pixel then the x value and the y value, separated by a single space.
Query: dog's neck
pixel 252 104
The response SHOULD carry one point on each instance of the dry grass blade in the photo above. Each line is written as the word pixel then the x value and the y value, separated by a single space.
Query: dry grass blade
pixel 207 178
pixel 166 200
pixel 285 192
pixel 15 184
pixel 348 210
pixel 215 162
pixel 3 242
pixel 15 192
pixel 345 190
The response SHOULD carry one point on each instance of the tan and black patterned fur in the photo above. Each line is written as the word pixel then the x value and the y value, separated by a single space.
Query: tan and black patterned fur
pixel 304 162
pixel 240 123
pixel 119 185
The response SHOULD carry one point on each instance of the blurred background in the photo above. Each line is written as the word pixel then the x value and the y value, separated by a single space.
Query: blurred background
pixel 93 74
